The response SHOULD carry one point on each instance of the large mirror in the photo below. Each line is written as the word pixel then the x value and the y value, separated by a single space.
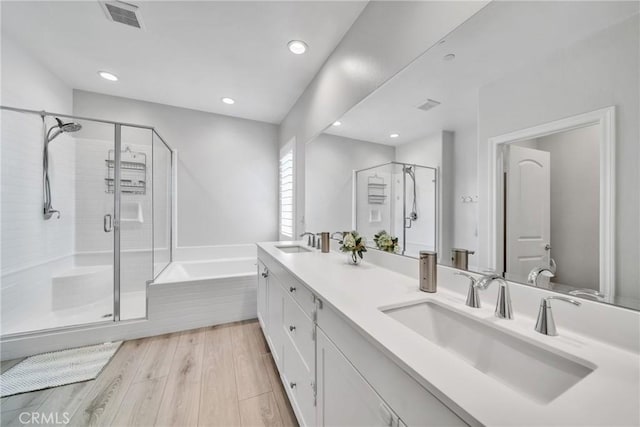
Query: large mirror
pixel 526 121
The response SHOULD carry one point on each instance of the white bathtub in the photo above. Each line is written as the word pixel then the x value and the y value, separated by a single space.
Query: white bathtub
pixel 188 271
pixel 204 286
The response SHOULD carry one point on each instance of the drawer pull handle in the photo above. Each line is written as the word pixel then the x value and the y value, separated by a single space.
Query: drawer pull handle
pixel 292 289
pixel 265 274
pixel 292 385
pixel 292 328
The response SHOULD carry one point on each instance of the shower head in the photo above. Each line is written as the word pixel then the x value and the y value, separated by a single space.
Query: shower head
pixel 68 127
pixel 61 127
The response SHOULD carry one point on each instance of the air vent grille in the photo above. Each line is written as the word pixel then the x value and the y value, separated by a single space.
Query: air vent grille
pixel 122 12
pixel 431 103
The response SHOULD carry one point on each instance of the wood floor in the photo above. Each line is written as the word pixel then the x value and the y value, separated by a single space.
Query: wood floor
pixel 217 376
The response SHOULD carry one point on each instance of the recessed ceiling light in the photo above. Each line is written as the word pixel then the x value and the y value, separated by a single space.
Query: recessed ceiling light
pixel 394 135
pixel 108 76
pixel 297 46
pixel 337 123
pixel 449 57
pixel 228 101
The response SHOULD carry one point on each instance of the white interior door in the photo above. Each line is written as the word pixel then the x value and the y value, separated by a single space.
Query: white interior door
pixel 528 210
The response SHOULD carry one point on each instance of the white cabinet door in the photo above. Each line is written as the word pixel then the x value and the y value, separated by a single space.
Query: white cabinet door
pixel 344 397
pixel 300 385
pixel 263 277
pixel 275 331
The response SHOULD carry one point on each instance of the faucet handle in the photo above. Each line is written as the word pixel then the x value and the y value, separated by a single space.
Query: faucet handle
pixel 547 300
pixel 588 292
pixel 473 296
pixel 545 323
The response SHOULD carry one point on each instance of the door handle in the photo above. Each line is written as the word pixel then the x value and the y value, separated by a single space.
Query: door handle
pixel 108 223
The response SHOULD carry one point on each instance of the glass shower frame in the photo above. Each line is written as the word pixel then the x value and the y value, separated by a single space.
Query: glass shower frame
pixel 404 196
pixel 117 214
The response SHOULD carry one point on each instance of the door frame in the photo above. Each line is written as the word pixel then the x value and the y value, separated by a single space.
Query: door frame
pixel 604 117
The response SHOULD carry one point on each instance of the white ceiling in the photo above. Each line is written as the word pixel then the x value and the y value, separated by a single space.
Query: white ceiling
pixel 502 37
pixel 191 53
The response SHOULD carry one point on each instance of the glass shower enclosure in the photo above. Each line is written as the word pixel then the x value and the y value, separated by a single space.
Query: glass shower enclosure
pixel 401 199
pixel 86 220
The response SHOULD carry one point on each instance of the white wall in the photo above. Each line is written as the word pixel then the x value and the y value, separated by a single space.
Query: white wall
pixel 330 162
pixel 384 39
pixel 465 184
pixel 227 168
pixel 598 72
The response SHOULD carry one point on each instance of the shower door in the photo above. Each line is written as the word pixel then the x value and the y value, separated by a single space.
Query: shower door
pixel 81 253
pixel 135 232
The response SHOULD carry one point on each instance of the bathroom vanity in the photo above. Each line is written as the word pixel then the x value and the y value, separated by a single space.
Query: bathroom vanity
pixel 361 345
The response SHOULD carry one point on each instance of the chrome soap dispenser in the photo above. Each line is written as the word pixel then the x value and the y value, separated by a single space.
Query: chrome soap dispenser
pixel 428 271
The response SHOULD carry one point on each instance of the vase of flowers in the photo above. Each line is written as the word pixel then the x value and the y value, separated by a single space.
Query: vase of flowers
pixel 385 241
pixel 353 244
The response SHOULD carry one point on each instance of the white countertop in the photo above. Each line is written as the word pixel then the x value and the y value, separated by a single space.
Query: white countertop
pixel 610 395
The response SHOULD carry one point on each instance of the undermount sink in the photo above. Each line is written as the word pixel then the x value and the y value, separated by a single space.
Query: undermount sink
pixel 293 249
pixel 532 371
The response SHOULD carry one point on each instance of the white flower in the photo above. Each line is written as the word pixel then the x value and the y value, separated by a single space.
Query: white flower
pixel 385 240
pixel 349 241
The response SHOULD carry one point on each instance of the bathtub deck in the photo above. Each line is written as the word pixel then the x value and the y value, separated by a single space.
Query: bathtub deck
pixel 220 375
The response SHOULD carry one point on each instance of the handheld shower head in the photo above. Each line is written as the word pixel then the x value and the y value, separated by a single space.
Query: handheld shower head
pixel 62 128
pixel 53 133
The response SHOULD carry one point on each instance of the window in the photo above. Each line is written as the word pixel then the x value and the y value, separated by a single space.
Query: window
pixel 286 191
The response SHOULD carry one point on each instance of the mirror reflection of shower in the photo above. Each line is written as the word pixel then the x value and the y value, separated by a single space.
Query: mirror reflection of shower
pixel 409 171
pixel 400 199
pixel 54 131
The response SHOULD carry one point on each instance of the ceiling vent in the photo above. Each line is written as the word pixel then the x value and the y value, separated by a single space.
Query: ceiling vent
pixel 124 13
pixel 429 105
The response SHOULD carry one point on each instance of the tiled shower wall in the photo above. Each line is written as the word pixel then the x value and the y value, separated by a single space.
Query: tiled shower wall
pixel 27 239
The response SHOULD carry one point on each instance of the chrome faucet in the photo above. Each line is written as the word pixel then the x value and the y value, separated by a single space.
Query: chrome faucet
pixel 532 279
pixel 503 304
pixel 545 323
pixel 340 235
pixel 473 298
pixel 535 272
pixel 311 240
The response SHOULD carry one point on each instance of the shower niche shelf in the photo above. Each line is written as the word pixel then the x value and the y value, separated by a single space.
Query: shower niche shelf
pixel 133 172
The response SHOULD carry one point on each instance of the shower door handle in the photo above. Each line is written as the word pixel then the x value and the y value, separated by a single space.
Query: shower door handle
pixel 108 223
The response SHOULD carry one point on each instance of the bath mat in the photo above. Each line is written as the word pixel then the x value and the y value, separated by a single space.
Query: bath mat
pixel 57 368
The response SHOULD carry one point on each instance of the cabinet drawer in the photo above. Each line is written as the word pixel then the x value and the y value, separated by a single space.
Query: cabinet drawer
pixel 302 295
pixel 299 328
pixel 290 284
pixel 299 384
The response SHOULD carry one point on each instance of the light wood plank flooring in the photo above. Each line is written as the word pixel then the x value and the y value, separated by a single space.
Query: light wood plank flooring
pixel 218 376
